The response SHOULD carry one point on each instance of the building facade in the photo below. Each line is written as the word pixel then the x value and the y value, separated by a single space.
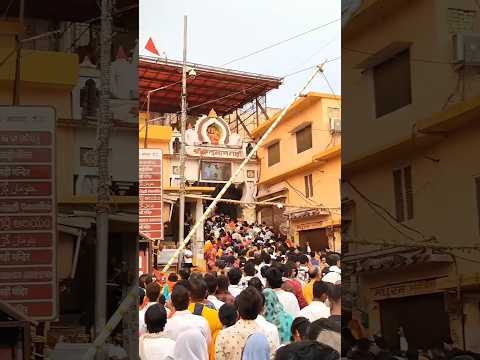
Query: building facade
pixel 410 203
pixel 299 167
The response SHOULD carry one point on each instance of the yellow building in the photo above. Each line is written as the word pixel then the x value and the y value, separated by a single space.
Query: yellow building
pixel 411 182
pixel 299 166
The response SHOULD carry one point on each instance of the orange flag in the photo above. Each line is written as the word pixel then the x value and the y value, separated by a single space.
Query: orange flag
pixel 150 46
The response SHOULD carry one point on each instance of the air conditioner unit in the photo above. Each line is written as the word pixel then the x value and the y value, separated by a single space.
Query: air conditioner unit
pixel 466 48
pixel 335 126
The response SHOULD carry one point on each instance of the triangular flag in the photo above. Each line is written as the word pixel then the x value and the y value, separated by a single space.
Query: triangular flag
pixel 151 47
pixel 121 53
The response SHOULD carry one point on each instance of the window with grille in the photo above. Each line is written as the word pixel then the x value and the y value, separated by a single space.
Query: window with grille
pixel 402 185
pixel 392 84
pixel 308 186
pixel 274 154
pixel 304 139
pixel 460 20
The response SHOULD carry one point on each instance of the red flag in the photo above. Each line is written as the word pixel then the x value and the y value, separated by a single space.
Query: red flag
pixel 151 47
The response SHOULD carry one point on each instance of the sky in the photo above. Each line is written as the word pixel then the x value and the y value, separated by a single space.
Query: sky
pixel 222 30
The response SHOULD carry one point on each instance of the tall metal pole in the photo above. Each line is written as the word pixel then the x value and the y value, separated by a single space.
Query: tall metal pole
pixel 103 189
pixel 183 121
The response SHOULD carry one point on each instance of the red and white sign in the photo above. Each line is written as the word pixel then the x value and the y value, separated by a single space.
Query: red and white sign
pixel 28 210
pixel 151 193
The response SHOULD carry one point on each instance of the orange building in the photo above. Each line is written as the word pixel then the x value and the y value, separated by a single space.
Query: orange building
pixel 299 167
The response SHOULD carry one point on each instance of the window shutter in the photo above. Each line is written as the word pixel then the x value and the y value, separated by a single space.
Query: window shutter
pixel 307 188
pixel 310 177
pixel 274 154
pixel 398 191
pixel 407 173
pixel 304 139
pixel 477 188
pixel 392 84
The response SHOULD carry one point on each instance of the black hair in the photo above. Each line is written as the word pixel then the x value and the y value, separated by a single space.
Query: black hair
pixel 172 277
pixel 334 292
pixel 198 289
pixel 141 295
pixel 180 297
pixel 257 259
pixel 249 303
pixel 249 268
pixel 184 283
pixel 274 277
pixel 320 325
pixel 290 269
pixel 153 291
pixel 212 283
pixel 222 283
pixel 144 280
pixel 313 273
pixel 184 274
pixel 155 318
pixel 300 325
pixel 234 276
pixel 332 259
pixel 319 288
pixel 228 314
pixel 263 270
pixel 306 350
pixel 266 257
pixel 256 283
pixel 303 259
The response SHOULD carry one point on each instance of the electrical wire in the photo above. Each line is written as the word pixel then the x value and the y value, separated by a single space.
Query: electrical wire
pixel 5 14
pixel 375 206
pixel 279 43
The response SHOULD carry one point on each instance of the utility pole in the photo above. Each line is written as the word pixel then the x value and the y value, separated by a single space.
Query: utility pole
pixel 103 189
pixel 183 121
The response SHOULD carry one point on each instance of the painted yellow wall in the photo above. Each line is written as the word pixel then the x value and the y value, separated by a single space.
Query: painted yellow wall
pixel 293 167
pixel 444 191
pixel 316 112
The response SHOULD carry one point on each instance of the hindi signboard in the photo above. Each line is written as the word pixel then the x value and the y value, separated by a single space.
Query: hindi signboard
pixel 151 193
pixel 28 210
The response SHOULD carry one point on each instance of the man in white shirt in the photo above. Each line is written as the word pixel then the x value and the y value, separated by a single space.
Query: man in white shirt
pixel 234 277
pixel 187 258
pixel 287 299
pixel 334 273
pixel 317 308
pixel 212 285
pixel 152 294
pixel 182 319
pixel 249 272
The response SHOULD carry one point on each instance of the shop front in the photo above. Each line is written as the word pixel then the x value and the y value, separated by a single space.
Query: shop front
pixel 404 289
pixel 316 228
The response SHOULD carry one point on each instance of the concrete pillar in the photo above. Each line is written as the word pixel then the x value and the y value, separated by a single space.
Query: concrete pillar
pixel 249 214
pixel 197 248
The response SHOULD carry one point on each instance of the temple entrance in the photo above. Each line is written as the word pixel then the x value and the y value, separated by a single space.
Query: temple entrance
pixel 233 193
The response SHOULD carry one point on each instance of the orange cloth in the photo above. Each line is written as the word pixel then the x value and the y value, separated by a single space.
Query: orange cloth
pixel 308 291
pixel 211 348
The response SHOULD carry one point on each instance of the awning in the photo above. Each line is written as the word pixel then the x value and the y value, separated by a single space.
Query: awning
pixel 393 258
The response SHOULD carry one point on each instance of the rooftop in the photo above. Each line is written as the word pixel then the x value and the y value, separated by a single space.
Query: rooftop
pixel 222 89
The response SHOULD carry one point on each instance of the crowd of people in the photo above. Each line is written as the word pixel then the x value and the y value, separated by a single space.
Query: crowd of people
pixel 260 298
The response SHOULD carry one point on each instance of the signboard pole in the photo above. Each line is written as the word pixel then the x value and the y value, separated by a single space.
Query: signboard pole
pixel 181 222
pixel 103 190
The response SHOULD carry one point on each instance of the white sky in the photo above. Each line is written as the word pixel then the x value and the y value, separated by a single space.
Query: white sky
pixel 221 30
